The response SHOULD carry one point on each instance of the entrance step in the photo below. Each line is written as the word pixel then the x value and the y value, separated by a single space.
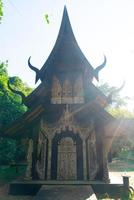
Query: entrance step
pixel 65 192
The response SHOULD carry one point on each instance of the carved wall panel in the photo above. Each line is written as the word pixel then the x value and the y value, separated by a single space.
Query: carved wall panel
pixel 66 160
pixel 65 129
pixel 41 165
pixel 91 156
pixel 67 92
pixel 67 122
pixel 28 174
pixel 78 91
pixel 56 91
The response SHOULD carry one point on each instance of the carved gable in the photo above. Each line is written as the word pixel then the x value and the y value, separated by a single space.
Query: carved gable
pixel 68 93
pixel 78 91
pixel 56 91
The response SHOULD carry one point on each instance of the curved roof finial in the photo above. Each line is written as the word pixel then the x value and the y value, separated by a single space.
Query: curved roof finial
pixel 37 71
pixel 110 96
pixel 100 67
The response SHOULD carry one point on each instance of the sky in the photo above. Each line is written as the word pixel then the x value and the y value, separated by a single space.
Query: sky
pixel 100 27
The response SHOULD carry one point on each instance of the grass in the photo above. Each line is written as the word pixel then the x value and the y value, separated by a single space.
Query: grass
pixel 122 165
pixel 8 173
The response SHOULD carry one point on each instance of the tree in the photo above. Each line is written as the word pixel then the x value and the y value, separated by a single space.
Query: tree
pixel 120 112
pixel 118 105
pixel 1 10
pixel 10 109
pixel 10 103
pixel 11 150
pixel 123 144
pixel 117 100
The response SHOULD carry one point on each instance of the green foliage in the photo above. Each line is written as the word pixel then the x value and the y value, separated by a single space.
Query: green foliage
pixel 131 193
pixel 128 194
pixel 117 108
pixel 8 174
pixel 122 144
pixel 10 103
pixel 1 10
pixel 120 112
pixel 10 109
pixel 126 154
pixel 123 147
pixel 7 150
pixel 117 100
pixel 11 150
pixel 46 17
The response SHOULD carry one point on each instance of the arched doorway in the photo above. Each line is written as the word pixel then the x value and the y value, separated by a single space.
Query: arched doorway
pixel 67 157
pixel 66 163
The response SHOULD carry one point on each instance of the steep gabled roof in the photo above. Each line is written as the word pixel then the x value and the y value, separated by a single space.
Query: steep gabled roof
pixel 66 54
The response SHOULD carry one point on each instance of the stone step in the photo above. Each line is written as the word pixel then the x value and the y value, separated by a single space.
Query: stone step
pixel 65 192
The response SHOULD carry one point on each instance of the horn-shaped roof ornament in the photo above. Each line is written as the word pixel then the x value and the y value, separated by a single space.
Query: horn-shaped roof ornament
pixel 99 68
pixel 37 71
pixel 109 98
pixel 17 92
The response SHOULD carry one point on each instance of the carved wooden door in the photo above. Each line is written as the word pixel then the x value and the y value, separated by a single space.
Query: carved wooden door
pixel 66 160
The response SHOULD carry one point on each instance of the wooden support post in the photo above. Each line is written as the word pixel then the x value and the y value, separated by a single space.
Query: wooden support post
pixel 49 158
pixel 84 160
pixel 105 161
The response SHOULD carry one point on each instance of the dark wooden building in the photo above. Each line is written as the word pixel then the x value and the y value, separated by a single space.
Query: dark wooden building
pixel 68 128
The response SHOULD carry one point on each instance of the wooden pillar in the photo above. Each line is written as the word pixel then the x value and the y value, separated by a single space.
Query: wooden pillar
pixel 102 151
pixel 35 137
pixel 84 160
pixel 49 158
pixel 99 144
pixel 28 174
pixel 105 162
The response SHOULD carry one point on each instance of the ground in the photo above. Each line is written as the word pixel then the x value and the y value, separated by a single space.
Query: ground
pixel 117 169
pixel 120 168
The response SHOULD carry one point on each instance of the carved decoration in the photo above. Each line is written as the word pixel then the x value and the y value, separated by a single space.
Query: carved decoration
pixel 66 160
pixel 41 156
pixel 67 122
pixel 86 132
pixel 28 174
pixel 92 156
pixel 78 91
pixel 67 92
pixel 56 91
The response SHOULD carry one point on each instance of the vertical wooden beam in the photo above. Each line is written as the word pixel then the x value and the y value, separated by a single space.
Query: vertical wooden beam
pixel 102 152
pixel 28 174
pixel 106 143
pixel 49 158
pixel 35 137
pixel 84 160
pixel 99 138
pixel 105 165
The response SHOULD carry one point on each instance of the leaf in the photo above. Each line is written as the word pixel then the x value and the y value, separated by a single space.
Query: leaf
pixel 47 18
pixel 1 10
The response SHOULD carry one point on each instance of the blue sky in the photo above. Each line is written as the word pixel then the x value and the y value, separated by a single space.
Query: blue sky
pixel 100 27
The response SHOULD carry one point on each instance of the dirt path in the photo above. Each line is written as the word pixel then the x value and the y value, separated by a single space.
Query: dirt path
pixel 119 168
pixel 116 177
